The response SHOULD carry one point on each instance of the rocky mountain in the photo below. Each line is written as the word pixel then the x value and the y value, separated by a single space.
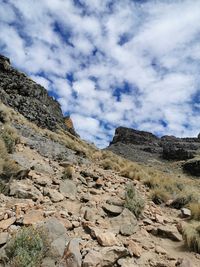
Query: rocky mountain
pixel 65 203
pixel 29 98
pixel 143 146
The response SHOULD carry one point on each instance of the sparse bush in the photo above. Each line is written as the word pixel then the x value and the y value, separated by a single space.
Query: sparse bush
pixel 133 201
pixel 191 235
pixel 10 137
pixel 159 196
pixel 28 247
pixel 68 172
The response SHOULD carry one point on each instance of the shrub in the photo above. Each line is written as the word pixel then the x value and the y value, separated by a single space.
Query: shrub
pixel 159 196
pixel 28 247
pixel 4 115
pixel 109 164
pixel 133 201
pixel 191 235
pixel 10 138
pixel 68 172
pixel 195 210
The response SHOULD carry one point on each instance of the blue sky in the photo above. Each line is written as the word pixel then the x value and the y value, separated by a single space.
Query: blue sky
pixel 111 63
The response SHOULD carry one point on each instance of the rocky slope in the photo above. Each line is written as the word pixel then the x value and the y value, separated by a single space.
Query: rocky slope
pixel 91 212
pixel 29 98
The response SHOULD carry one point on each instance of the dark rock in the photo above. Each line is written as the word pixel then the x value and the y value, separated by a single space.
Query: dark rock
pixel 29 98
pixel 143 146
pixel 192 166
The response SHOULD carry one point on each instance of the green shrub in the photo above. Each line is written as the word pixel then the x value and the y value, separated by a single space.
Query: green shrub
pixel 133 201
pixel 27 247
pixel 10 137
pixel 191 235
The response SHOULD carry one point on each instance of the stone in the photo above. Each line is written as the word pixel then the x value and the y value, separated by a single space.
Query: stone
pixel 54 195
pixel 92 259
pixel 112 209
pixel 160 250
pixel 24 189
pixel 170 232
pixel 125 219
pixel 127 262
pixel 128 229
pixel 186 213
pixel 3 238
pixel 106 239
pixel 4 224
pixel 68 189
pixel 72 256
pixel 40 179
pixel 134 249
pixel 55 228
pixel 33 217
pixel 184 263
pixel 110 255
pixel 57 235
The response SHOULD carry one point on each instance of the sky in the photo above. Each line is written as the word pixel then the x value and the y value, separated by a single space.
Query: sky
pixel 111 63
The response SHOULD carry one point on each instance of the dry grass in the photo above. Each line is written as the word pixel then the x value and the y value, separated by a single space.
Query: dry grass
pixel 4 114
pixel 191 235
pixel 10 137
pixel 159 196
pixel 195 211
pixel 68 172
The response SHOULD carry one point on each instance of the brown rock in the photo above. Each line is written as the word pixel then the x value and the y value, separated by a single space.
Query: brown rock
pixel 106 239
pixel 92 259
pixel 110 255
pixel 6 223
pixel 3 238
pixel 112 209
pixel 72 256
pixel 33 217
pixel 134 249
pixel 160 250
pixel 170 232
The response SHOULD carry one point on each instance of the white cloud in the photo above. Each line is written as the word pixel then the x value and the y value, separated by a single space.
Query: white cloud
pixel 151 46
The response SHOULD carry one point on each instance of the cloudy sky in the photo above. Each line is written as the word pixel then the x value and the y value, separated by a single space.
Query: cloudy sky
pixel 111 63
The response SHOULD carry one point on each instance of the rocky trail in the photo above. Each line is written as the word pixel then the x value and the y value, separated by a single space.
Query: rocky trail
pixel 87 213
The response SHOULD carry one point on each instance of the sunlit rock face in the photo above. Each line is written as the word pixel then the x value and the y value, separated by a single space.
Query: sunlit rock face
pixel 144 146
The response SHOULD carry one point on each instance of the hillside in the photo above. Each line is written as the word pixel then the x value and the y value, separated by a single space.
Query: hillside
pixel 65 203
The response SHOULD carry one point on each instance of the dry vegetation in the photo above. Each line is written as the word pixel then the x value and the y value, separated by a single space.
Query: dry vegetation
pixel 191 235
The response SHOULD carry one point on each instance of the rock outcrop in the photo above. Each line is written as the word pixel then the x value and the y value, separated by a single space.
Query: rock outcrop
pixel 141 145
pixel 29 98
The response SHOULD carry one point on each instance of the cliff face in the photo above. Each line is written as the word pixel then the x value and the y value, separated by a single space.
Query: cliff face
pixel 142 146
pixel 29 98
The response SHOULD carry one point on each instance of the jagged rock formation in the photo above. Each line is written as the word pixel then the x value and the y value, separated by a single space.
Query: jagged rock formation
pixel 29 98
pixel 141 146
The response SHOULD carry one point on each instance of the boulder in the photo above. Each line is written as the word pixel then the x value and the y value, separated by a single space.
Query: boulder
pixel 192 166
pixel 24 189
pixel 110 255
pixel 112 209
pixel 92 259
pixel 68 189
pixel 72 256
pixel 126 223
